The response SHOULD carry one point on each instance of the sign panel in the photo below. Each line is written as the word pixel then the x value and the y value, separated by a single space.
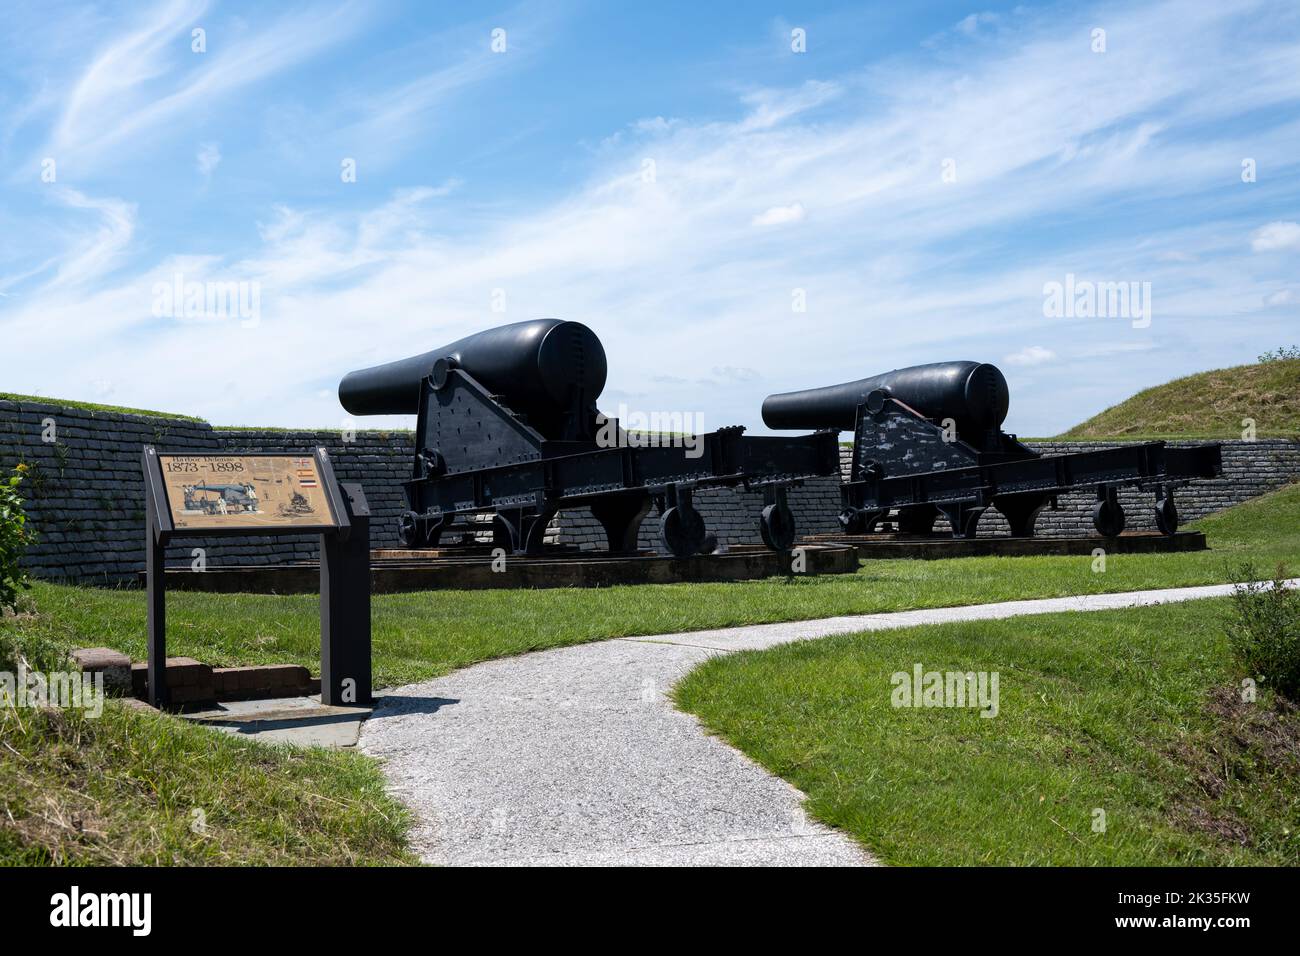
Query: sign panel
pixel 220 492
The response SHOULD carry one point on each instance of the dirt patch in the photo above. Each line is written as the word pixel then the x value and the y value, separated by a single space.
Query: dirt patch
pixel 1250 745
pixel 1273 732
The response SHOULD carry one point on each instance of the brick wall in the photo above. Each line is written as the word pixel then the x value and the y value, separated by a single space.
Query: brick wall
pixel 730 513
pixel 86 491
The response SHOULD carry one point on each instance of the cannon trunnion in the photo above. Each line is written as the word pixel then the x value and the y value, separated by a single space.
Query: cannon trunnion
pixel 928 442
pixel 507 425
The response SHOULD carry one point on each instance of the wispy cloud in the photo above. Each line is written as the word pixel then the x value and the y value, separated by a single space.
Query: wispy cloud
pixel 399 95
pixel 1275 236
pixel 150 74
pixel 881 260
pixel 779 215
pixel 1030 355
pixel 208 158
pixel 96 250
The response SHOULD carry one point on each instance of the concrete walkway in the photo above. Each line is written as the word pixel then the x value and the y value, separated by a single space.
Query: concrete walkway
pixel 303 721
pixel 576 755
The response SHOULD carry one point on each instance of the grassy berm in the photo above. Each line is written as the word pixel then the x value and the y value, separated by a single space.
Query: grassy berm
pixel 132 787
pixel 1207 405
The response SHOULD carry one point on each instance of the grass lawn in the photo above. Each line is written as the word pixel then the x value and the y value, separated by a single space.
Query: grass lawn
pixel 1135 712
pixel 92 406
pixel 422 635
pixel 133 787
pixel 124 788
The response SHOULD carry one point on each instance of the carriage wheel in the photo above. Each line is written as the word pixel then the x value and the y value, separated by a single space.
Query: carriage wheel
pixel 1108 518
pixel 682 531
pixel 1167 515
pixel 777 527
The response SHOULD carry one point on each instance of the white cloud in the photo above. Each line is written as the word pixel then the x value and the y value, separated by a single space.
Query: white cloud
pixel 654 125
pixel 730 373
pixel 971 24
pixel 207 159
pixel 388 109
pixel 1030 355
pixel 147 76
pixel 1275 236
pixel 769 108
pixel 132 60
pixel 1109 349
pixel 779 215
pixel 94 253
pixel 674 276
pixel 1281 297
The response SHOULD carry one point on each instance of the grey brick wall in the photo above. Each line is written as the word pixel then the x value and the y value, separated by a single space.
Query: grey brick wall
pixel 731 514
pixel 85 491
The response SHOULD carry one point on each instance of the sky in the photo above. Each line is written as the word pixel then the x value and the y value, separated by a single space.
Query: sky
pixel 739 199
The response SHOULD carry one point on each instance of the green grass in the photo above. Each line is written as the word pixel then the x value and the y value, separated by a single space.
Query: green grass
pixel 123 789
pixel 1206 405
pixel 373 432
pixel 93 406
pixel 426 634
pixel 1134 712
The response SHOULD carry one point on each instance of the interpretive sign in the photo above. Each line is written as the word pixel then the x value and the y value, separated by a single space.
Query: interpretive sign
pixel 214 495
pixel 247 492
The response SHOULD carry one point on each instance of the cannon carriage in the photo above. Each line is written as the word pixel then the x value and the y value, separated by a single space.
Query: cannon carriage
pixel 927 441
pixel 507 426
pixel 235 498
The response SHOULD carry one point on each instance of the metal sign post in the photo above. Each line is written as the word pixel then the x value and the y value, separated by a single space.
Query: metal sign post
pixel 156 613
pixel 219 495
pixel 345 607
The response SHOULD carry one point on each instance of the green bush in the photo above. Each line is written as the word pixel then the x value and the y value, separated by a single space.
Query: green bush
pixel 1264 631
pixel 15 536
pixel 1281 354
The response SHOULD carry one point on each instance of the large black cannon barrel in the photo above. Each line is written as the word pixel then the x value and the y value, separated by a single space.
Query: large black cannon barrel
pixel 973 394
pixel 537 366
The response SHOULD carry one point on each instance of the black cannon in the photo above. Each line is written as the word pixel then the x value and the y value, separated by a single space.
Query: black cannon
pixel 928 441
pixel 507 425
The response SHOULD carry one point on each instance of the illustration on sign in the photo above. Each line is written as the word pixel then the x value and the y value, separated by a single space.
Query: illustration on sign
pixel 244 491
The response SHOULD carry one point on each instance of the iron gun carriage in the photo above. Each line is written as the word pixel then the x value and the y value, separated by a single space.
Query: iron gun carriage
pixel 233 498
pixel 507 426
pixel 927 440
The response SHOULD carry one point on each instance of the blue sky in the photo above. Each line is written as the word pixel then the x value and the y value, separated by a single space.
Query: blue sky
pixel 673 175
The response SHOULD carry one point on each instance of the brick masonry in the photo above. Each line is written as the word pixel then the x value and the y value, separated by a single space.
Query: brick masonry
pixel 86 492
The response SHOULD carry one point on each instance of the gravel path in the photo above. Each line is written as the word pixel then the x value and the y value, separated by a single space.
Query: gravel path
pixel 576 756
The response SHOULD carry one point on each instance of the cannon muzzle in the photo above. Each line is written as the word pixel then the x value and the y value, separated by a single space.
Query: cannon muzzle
pixel 540 367
pixel 973 394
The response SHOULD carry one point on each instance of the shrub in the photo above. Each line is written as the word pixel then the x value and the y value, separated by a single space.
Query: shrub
pixel 1264 631
pixel 1281 354
pixel 15 536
